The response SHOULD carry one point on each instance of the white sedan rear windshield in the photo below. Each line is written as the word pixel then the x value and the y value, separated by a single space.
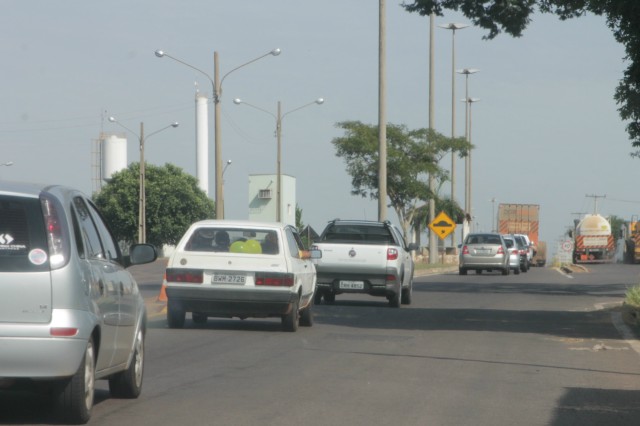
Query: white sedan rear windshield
pixel 234 240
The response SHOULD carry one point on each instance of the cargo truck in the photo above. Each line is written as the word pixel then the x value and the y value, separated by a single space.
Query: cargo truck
pixel 523 219
pixel 631 235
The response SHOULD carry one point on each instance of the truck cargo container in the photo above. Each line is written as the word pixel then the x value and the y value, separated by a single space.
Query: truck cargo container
pixel 523 219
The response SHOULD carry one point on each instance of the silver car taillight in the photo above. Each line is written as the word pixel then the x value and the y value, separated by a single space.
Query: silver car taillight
pixel 55 229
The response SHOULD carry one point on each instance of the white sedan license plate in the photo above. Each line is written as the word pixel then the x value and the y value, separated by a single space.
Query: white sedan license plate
pixel 228 279
pixel 352 285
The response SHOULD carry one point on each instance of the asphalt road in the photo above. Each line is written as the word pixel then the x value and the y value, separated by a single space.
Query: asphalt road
pixel 541 348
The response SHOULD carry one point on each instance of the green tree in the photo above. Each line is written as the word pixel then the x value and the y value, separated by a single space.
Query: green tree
pixel 299 222
pixel 411 156
pixel 173 202
pixel 616 224
pixel 513 16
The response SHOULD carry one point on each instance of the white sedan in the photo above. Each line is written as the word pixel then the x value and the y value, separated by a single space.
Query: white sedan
pixel 226 269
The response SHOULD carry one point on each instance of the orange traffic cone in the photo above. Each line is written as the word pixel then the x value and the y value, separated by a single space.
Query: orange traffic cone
pixel 162 297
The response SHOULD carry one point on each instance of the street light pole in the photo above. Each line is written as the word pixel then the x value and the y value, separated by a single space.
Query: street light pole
pixel 224 170
pixel 453 27
pixel 382 112
pixel 142 199
pixel 279 117
pixel 470 101
pixel 216 87
pixel 467 181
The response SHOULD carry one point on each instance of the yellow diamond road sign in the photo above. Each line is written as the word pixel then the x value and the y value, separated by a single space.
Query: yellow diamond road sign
pixel 442 225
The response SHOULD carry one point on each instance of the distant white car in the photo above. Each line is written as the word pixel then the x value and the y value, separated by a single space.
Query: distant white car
pixel 223 268
pixel 529 245
pixel 514 253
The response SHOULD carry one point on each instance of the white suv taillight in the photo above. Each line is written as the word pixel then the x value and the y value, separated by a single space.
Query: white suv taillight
pixel 500 250
pixel 55 228
pixel 465 249
pixel 392 253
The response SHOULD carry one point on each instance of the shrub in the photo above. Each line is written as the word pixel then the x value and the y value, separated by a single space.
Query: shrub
pixel 632 296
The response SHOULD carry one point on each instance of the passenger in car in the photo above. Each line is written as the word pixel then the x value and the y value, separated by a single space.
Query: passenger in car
pixel 201 240
pixel 270 244
pixel 222 241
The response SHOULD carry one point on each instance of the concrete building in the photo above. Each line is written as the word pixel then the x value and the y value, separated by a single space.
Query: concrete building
pixel 263 198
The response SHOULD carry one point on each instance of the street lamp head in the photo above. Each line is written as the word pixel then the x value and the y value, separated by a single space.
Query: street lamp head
pixel 454 26
pixel 237 101
pixel 320 101
pixel 175 124
pixel 276 52
pixel 112 119
pixel 228 161
pixel 159 53
pixel 467 71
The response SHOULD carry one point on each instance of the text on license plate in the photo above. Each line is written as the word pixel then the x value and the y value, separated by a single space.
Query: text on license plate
pixel 352 285
pixel 228 279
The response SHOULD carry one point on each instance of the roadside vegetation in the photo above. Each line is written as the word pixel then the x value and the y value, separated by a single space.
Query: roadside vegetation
pixel 632 296
pixel 631 309
pixel 173 202
pixel 421 266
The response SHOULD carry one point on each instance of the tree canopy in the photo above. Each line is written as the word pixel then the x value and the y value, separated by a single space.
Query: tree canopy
pixel 173 202
pixel 513 16
pixel 411 156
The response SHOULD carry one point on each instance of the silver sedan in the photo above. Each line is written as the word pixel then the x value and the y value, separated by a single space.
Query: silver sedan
pixel 484 251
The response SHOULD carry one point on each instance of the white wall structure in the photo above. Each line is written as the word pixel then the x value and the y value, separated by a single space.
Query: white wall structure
pixel 202 142
pixel 114 155
pixel 263 196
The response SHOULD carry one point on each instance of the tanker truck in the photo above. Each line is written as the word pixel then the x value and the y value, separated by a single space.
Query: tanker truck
pixel 593 240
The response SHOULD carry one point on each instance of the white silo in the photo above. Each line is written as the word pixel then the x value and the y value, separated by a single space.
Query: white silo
pixel 114 155
pixel 202 142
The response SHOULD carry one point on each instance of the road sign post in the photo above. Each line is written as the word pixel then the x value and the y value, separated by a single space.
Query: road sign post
pixel 442 225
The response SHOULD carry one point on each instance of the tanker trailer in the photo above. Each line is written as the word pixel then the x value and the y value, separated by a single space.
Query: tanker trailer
pixel 593 240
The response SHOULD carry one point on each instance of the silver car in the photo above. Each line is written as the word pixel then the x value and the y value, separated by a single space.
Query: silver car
pixel 514 253
pixel 484 251
pixel 70 313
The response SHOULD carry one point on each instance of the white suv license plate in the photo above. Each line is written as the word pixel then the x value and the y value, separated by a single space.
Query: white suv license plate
pixel 228 279
pixel 352 285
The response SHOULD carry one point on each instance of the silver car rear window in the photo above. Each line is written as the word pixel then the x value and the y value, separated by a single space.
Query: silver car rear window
pixel 23 243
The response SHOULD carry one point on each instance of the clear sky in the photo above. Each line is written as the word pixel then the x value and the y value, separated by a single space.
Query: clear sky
pixel 546 128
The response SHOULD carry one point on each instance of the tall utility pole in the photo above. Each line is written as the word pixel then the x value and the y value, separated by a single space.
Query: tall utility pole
pixel 142 200
pixel 595 201
pixel 382 117
pixel 433 238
